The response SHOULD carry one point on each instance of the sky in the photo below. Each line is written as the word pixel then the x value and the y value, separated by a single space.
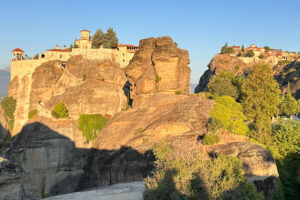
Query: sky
pixel 200 26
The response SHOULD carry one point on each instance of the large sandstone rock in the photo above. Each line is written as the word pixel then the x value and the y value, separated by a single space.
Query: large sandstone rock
pixel 84 86
pixel 3 128
pixel 54 160
pixel 10 181
pixel 141 128
pixel 50 162
pixel 159 66
pixel 258 164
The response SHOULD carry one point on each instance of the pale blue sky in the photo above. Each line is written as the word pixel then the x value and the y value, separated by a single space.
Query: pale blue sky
pixel 201 27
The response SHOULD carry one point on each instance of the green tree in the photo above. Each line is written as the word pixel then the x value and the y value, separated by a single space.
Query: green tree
pixel 289 105
pixel 60 111
pixel 250 53
pixel 9 104
pixel 98 39
pixel 112 38
pixel 221 85
pixel 225 49
pixel 266 47
pixel 227 114
pixel 243 48
pixel 261 98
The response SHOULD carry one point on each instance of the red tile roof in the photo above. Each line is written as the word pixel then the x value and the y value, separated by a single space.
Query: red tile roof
pixel 60 50
pixel 18 50
pixel 127 45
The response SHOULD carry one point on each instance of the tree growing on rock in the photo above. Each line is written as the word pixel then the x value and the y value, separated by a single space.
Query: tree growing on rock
pixel 261 99
pixel 225 49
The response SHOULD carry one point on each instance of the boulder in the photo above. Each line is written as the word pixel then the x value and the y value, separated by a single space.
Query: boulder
pixel 159 66
pixel 10 181
pixel 258 164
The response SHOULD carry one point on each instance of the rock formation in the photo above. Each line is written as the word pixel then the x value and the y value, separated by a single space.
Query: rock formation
pixel 10 183
pixel 52 154
pixel 84 86
pixel 289 73
pixel 284 73
pixel 159 68
pixel 3 128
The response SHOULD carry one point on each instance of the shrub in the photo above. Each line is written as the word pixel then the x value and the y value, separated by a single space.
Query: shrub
pixel 178 92
pixel 137 131
pixel 210 139
pixel 91 125
pixel 84 77
pixel 32 113
pixel 157 79
pixel 261 56
pixel 221 85
pixel 9 106
pixel 60 111
pixel 227 114
pixel 11 124
pixel 250 54
pixel 181 174
pixel 284 62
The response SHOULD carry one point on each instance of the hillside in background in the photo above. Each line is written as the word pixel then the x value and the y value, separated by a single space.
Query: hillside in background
pixel 4 80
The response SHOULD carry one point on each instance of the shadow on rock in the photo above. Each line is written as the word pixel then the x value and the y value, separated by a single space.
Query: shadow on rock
pixel 51 164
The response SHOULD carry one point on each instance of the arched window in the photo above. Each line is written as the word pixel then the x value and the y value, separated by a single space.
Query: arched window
pixel 43 56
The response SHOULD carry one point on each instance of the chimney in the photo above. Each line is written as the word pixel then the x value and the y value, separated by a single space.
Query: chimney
pixel 56 47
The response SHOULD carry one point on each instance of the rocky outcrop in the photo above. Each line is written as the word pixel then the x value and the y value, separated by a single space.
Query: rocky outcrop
pixel 289 73
pixel 55 161
pixel 258 164
pixel 219 63
pixel 3 128
pixel 10 181
pixel 159 66
pixel 283 73
pixel 84 86
pixel 141 128
pixel 49 161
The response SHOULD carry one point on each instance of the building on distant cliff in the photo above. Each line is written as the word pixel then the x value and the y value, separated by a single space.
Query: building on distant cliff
pixel 21 65
pixel 274 55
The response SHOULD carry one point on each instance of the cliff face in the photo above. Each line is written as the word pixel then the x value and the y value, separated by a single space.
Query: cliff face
pixel 289 73
pixel 84 86
pixel 3 128
pixel 284 73
pixel 158 68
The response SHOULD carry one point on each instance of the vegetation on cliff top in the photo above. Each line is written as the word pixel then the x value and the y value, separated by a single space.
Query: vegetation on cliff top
pixel 91 125
pixel 182 175
pixel 108 39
